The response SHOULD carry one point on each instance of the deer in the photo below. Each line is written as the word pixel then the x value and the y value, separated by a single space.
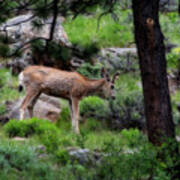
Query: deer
pixel 71 86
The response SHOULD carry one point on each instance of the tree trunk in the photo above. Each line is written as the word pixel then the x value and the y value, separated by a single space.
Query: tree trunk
pixel 151 52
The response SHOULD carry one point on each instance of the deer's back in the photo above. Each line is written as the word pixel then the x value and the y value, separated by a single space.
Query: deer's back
pixel 55 82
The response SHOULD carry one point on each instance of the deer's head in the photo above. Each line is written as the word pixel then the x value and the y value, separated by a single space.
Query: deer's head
pixel 108 90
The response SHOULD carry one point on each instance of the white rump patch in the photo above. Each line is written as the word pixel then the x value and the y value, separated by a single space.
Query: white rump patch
pixel 21 78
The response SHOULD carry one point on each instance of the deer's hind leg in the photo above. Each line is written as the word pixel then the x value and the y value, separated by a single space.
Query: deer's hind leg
pixel 31 95
pixel 32 103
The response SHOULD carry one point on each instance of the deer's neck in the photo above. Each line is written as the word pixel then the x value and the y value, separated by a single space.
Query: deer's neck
pixel 94 86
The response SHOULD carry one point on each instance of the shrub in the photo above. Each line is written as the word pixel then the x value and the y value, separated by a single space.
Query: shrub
pixel 173 60
pixel 7 86
pixel 127 111
pixel 29 127
pixel 50 140
pixel 64 121
pixel 89 70
pixel 94 106
pixel 92 125
pixel 140 163
pixel 2 109
pixel 133 137
pixel 21 161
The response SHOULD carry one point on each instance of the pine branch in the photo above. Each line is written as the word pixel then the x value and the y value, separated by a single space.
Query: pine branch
pixel 25 46
pixel 55 14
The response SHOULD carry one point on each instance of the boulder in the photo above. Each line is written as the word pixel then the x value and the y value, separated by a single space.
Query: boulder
pixel 121 59
pixel 20 31
pixel 84 156
pixel 47 107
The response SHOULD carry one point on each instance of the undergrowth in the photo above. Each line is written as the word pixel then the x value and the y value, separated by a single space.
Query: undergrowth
pixel 8 86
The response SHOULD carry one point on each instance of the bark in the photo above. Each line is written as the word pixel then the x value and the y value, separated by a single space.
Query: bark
pixel 55 14
pixel 151 52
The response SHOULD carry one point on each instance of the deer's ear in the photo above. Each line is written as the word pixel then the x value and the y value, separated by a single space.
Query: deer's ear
pixel 108 78
pixel 103 72
pixel 115 77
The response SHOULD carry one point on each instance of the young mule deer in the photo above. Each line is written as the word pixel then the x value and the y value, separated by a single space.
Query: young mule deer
pixel 68 85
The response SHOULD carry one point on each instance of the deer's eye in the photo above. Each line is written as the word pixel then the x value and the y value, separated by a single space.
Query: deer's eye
pixel 112 86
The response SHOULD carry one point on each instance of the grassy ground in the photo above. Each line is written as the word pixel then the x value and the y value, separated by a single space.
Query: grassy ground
pixel 83 30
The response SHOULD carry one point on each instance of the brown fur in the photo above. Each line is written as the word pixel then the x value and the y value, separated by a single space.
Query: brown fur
pixel 68 85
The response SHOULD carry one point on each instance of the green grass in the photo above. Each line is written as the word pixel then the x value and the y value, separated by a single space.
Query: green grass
pixel 128 152
pixel 171 27
pixel 8 86
pixel 83 30
pixel 93 134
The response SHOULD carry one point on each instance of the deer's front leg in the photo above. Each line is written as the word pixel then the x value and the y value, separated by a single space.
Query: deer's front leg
pixel 32 103
pixel 75 115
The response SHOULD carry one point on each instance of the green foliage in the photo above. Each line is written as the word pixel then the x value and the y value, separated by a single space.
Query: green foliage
pixel 29 127
pixel 123 155
pixel 90 71
pixel 87 51
pixel 131 165
pixel 8 84
pixel 94 106
pixel 130 109
pixel 175 99
pixel 168 159
pixel 133 137
pixel 6 9
pixel 4 50
pixel 83 30
pixel 21 161
pixel 62 156
pixel 2 109
pixel 170 26
pixel 173 60
pixel 127 109
pixel 50 140
pixel 64 122
pixel 93 125
pixel 54 50
pixel 58 52
pixel 42 9
pixel 38 46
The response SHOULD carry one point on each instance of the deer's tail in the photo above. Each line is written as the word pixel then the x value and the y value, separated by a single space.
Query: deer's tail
pixel 21 77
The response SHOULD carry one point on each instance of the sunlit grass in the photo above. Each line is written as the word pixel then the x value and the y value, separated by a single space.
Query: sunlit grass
pixel 170 25
pixel 9 84
pixel 84 30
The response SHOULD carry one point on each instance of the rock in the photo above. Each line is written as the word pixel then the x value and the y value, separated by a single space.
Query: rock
pixel 121 59
pixel 173 83
pixel 19 139
pixel 20 31
pixel 168 6
pixel 120 51
pixel 84 156
pixel 3 119
pixel 47 107
pixel 178 138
